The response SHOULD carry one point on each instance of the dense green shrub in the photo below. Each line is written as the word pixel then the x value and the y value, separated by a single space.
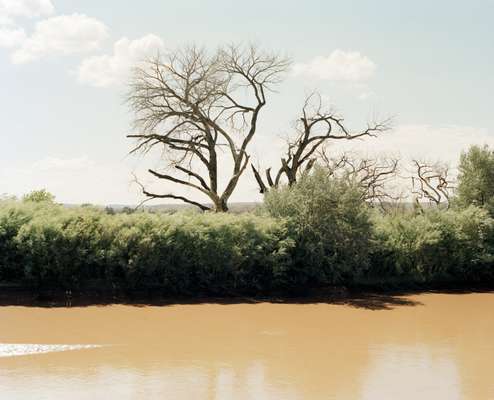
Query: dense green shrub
pixel 63 247
pixel 197 252
pixel 49 245
pixel 330 225
pixel 434 246
pixel 315 233
pixel 13 216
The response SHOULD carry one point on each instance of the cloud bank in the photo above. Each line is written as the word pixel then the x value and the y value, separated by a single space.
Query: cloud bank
pixel 81 180
pixel 25 8
pixel 426 142
pixel 64 34
pixel 12 35
pixel 339 66
pixel 114 69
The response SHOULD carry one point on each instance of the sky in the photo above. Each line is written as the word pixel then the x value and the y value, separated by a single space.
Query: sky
pixel 64 66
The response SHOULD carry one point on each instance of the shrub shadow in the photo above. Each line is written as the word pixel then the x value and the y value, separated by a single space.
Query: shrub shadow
pixel 369 300
pixel 362 298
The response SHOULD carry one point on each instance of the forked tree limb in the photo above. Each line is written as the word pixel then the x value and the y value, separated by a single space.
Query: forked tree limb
pixel 315 128
pixel 431 182
pixel 192 103
pixel 150 195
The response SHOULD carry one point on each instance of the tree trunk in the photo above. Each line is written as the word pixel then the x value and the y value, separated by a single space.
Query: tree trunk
pixel 220 206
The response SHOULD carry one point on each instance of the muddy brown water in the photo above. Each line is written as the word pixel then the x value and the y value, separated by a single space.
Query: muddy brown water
pixel 428 346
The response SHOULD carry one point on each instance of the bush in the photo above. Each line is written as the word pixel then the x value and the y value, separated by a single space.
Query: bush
pixel 39 196
pixel 315 233
pixel 13 216
pixel 63 247
pixel 191 253
pixel 48 245
pixel 330 225
pixel 434 246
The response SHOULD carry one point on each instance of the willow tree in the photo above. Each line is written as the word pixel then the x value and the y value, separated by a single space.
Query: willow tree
pixel 315 127
pixel 476 177
pixel 200 108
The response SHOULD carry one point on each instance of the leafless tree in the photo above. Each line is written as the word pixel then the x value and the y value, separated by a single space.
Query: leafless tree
pixel 314 128
pixel 197 107
pixel 431 182
pixel 373 176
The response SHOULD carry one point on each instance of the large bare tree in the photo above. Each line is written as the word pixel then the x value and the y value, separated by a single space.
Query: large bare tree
pixel 314 128
pixel 198 107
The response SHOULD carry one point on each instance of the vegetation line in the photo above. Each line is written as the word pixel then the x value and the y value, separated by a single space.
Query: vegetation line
pixel 318 232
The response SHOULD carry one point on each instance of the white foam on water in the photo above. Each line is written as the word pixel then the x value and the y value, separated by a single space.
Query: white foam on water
pixel 23 349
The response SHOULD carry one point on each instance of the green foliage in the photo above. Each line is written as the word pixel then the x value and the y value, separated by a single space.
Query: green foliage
pixel 476 178
pixel 39 196
pixel 199 252
pixel 13 216
pixel 330 225
pixel 44 244
pixel 434 246
pixel 317 232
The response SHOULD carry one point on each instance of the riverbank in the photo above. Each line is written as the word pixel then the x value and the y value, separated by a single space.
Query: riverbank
pixel 362 297
pixel 189 255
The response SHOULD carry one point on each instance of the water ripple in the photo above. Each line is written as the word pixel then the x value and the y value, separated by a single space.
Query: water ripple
pixel 22 349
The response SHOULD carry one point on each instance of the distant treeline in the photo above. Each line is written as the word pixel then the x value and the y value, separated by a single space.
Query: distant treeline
pixel 317 232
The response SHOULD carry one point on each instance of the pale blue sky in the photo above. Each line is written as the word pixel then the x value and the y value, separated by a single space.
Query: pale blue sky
pixel 433 70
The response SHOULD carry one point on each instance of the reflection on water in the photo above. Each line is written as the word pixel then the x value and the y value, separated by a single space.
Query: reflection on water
pixel 410 373
pixel 425 347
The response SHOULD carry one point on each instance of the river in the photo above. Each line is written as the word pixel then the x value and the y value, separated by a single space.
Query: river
pixel 427 346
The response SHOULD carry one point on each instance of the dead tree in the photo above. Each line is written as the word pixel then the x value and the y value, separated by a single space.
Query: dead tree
pixel 313 129
pixel 374 177
pixel 431 182
pixel 197 107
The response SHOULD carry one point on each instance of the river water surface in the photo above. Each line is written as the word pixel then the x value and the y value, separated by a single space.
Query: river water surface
pixel 430 346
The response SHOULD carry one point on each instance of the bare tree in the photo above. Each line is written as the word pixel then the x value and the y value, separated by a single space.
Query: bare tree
pixel 431 182
pixel 373 176
pixel 197 107
pixel 314 128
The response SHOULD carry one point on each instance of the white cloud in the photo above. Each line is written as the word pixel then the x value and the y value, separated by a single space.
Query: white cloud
pixel 73 180
pixel 25 8
pixel 11 36
pixel 407 142
pixel 366 95
pixel 64 34
pixel 107 70
pixel 346 66
pixel 54 163
pixel 6 21
pixel 432 143
pixel 81 180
